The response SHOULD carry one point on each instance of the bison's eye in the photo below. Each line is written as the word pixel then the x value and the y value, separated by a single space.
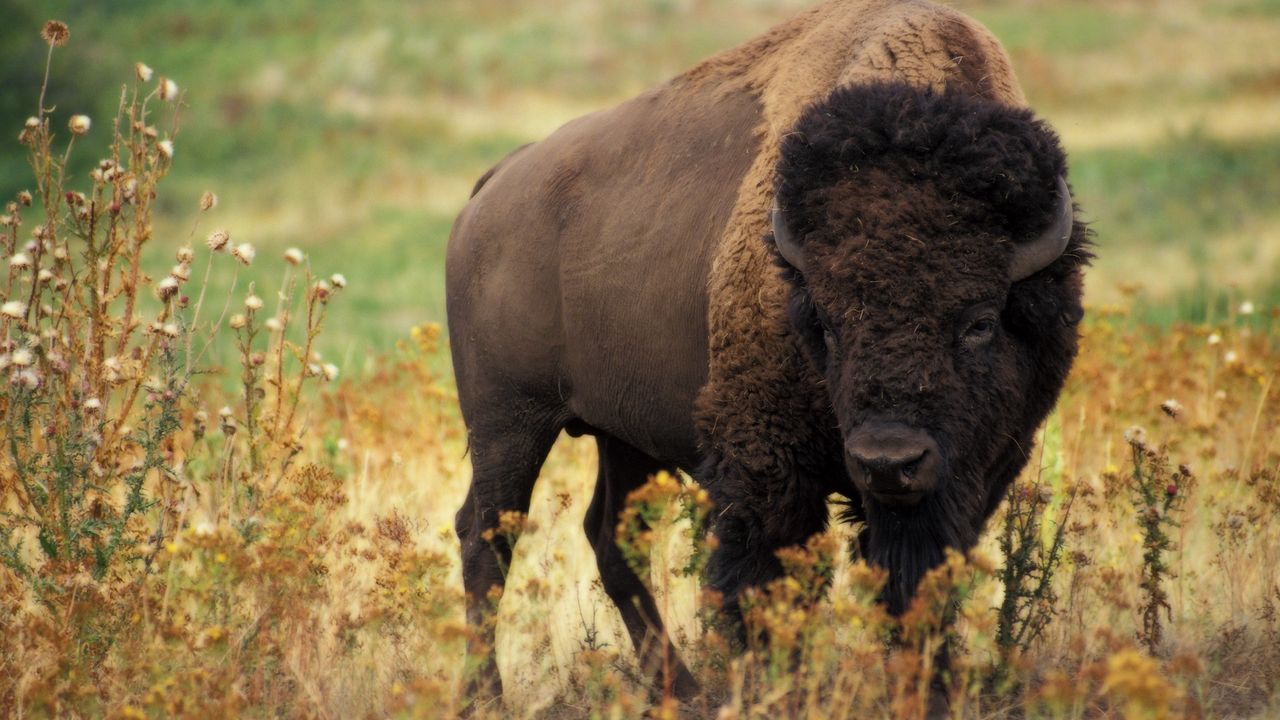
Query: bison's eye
pixel 828 333
pixel 829 338
pixel 980 331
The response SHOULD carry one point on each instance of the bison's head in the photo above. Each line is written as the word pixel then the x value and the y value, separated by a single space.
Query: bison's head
pixel 936 279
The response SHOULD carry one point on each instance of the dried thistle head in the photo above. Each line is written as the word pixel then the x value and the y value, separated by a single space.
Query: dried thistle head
pixel 79 124
pixel 244 252
pixel 14 309
pixel 218 240
pixel 168 89
pixel 1136 436
pixel 167 288
pixel 56 33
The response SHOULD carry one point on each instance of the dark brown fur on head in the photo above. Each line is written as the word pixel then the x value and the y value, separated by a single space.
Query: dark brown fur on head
pixel 908 204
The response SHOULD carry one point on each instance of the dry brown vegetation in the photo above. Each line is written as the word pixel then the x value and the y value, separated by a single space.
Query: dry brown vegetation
pixel 160 557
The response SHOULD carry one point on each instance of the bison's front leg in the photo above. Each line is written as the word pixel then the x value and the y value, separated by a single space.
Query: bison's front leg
pixel 753 518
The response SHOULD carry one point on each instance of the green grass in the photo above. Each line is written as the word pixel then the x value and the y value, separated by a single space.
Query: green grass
pixel 354 130
pixel 1060 27
pixel 1185 191
pixel 1205 302
pixel 1265 8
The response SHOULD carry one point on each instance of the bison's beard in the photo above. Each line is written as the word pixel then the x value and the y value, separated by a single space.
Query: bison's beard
pixel 909 543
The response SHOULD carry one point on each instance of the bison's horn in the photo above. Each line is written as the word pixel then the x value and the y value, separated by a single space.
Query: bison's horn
pixel 787 246
pixel 1032 257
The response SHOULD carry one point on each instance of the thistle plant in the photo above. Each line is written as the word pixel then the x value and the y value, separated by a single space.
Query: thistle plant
pixel 95 388
pixel 1158 496
pixel 106 451
pixel 1029 564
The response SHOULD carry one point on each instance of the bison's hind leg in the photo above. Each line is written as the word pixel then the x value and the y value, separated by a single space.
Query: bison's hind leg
pixel 506 456
pixel 622 470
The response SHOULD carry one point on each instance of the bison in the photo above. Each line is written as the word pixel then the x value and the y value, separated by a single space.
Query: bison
pixel 838 260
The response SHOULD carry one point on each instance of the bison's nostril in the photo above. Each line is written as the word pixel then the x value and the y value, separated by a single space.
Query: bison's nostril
pixel 888 471
pixel 909 468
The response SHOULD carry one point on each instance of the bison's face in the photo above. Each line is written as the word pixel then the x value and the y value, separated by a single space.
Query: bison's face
pixel 927 364
pixel 935 289
pixel 923 377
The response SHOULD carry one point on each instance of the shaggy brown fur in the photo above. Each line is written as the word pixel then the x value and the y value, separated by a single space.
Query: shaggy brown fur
pixel 611 280
pixel 907 201
pixel 754 415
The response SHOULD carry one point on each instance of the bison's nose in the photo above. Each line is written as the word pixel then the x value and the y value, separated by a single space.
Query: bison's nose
pixel 897 464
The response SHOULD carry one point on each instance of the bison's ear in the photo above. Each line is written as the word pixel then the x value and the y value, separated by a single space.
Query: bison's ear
pixel 788 248
pixel 1041 307
pixel 802 315
pixel 1037 254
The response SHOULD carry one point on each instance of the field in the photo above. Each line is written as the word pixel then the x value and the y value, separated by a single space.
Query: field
pixel 271 562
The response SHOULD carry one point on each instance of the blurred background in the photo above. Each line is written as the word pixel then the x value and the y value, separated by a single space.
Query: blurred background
pixel 354 130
